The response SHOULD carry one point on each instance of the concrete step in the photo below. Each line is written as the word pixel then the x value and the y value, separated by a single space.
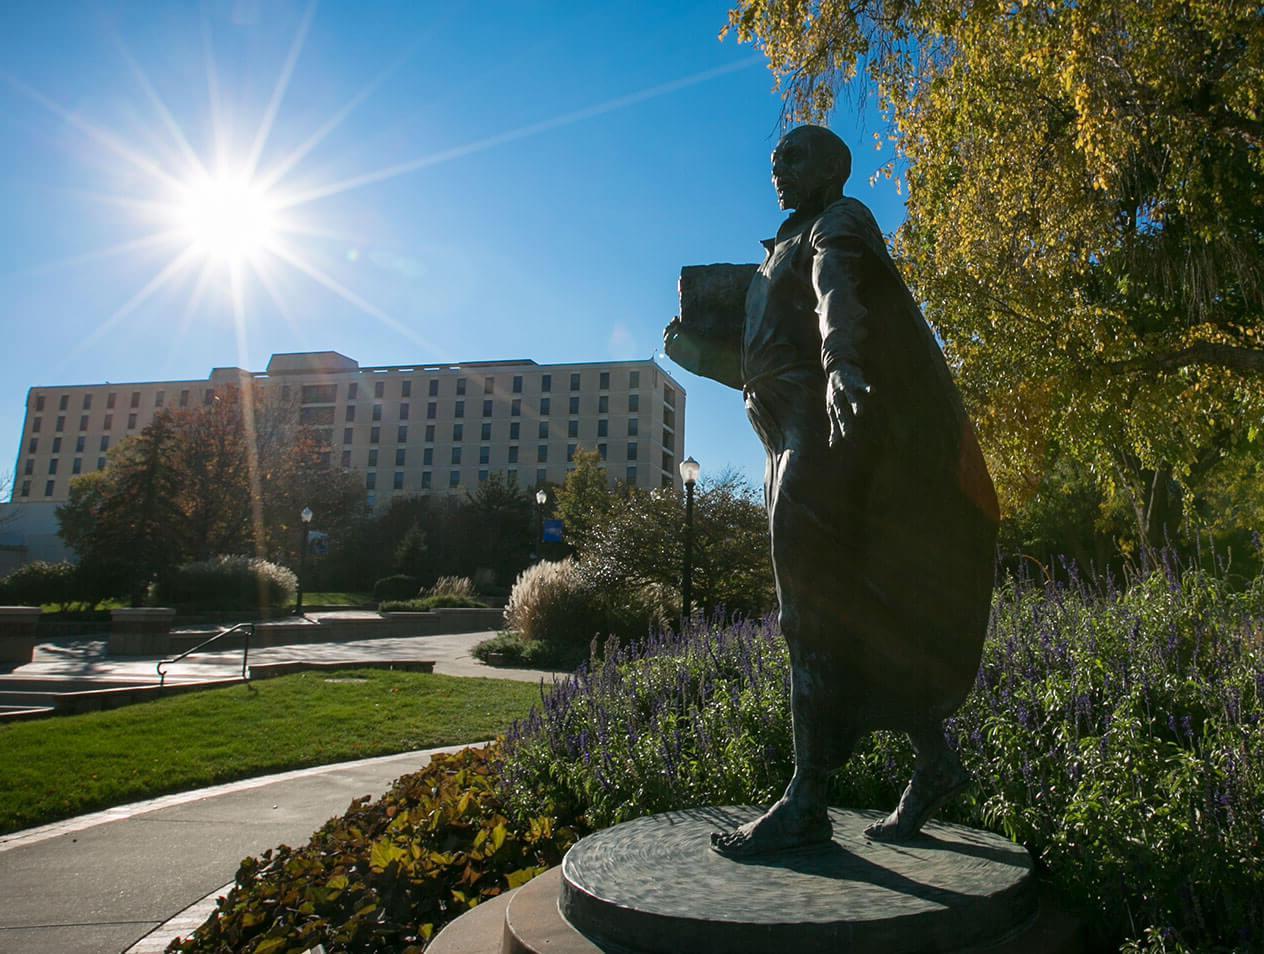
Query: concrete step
pixel 18 713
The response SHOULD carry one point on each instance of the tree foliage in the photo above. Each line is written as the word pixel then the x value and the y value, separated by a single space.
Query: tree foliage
pixel 1085 215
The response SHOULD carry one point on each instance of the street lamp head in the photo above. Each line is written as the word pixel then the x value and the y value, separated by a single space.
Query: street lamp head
pixel 541 497
pixel 689 470
pixel 306 514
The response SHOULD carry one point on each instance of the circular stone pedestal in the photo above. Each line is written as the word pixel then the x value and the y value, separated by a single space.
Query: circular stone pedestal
pixel 653 886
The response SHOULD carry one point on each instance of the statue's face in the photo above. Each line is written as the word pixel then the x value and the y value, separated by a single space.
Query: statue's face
pixel 798 171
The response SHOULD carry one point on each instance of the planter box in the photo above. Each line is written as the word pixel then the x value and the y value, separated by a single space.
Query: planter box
pixel 17 633
pixel 141 632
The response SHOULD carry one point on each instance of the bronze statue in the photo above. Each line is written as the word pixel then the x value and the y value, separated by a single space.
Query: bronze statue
pixel 882 514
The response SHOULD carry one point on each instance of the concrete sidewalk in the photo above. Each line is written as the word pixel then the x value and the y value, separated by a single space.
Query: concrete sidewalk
pixel 100 883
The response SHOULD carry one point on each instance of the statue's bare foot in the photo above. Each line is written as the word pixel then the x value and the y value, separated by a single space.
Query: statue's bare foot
pixel 923 796
pixel 784 827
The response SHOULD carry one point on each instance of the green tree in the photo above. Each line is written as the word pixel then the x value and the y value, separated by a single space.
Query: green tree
pixel 1085 216
pixel 584 501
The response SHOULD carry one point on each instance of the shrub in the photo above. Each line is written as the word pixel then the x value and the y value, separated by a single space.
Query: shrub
pixel 38 582
pixel 1117 735
pixel 552 602
pixel 461 587
pixel 398 587
pixel 387 874
pixel 226 583
pixel 513 650
pixel 438 601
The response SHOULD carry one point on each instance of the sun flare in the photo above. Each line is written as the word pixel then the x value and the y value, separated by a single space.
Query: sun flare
pixel 227 218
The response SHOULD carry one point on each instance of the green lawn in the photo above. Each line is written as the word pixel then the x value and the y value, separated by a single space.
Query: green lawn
pixel 65 766
pixel 337 599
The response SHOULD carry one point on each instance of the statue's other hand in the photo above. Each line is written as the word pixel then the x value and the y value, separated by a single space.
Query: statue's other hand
pixel 845 402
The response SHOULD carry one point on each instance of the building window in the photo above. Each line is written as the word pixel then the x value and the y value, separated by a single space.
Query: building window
pixel 544 430
pixel 634 426
pixel 63 402
pixel 398 482
pixel 432 410
pixel 669 418
pixel 511 475
pixel 375 434
pixel 285 393
pixel 370 481
pixel 109 421
pixel 454 478
pixel 603 404
pixel 542 454
pixel 430 432
pixel 26 488
pixel 105 443
pixel 52 465
pixel 630 475
pixel 39 402
pixel 669 396
pixel 570 452
pixel 347 435
pixel 100 463
pixel 135 399
pixel 83 422
pixel 484 455
pixel 433 388
pixel 48 488
pixel 513 454
pixel 377 412
pixel 603 428
pixel 575 381
pixel 406 389
pixel 109 399
pixel 373 457
pixel 370 500
pixel 634 379
pixel 400 453
pixel 482 476
pixel 87 402
pixel 131 422
pixel 667 462
pixel 184 397
pixel 425 480
pixel 574 405
pixel 513 430
pixel 487 409
pixel 460 386
pixel 668 441
pixel 485 432
pixel 61 422
pixel 56 445
pixel 33 446
pixel 403 411
pixel 489 385
pixel 456 455
pixel 427 456
pixel 544 407
pixel 379 389
pixel 346 460
pixel 352 390
pixel 160 398
pixel 541 476
pixel 316 416
pixel 517 384
pixel 79 444
pixel 30 467
pixel 601 450
pixel 76 466
pixel 36 425
pixel 208 395
pixel 350 413
pixel 459 410
pixel 603 381
pixel 515 408
pixel 458 432
pixel 572 428
pixel 319 393
pixel 631 450
pixel 401 434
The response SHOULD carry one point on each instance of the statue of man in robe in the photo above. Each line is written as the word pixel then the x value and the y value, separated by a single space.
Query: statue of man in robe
pixel 882 514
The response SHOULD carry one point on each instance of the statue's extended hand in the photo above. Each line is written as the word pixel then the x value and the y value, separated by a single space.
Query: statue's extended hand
pixel 845 401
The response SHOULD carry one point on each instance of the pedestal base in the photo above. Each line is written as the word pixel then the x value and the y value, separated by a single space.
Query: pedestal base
pixel 653 886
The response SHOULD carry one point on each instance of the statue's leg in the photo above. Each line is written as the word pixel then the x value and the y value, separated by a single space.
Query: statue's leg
pixel 937 776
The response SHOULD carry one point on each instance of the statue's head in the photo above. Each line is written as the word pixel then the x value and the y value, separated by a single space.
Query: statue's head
pixel 809 167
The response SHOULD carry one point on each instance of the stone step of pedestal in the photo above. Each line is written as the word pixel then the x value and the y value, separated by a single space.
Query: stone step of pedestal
pixel 956 889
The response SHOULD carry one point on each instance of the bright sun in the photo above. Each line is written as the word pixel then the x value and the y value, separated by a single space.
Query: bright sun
pixel 227 218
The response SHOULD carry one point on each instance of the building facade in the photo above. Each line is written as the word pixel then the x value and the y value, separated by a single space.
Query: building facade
pixel 408 429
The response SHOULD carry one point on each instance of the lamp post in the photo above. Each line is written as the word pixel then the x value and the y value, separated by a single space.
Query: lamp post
pixel 306 517
pixel 541 498
pixel 689 471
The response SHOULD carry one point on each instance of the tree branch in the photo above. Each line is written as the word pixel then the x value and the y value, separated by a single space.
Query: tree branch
pixel 1232 357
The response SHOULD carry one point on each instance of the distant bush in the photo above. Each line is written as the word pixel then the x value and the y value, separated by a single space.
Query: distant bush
pixel 226 583
pixel 552 602
pixel 458 586
pixel 36 583
pixel 398 587
pixel 438 601
pixel 510 649
pixel 387 874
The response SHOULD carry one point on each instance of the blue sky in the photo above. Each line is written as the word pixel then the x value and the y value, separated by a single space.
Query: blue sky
pixel 503 180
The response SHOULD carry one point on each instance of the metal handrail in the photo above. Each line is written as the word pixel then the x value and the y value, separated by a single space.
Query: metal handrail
pixel 247 628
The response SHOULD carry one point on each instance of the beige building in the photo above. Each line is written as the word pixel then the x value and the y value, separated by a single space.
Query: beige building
pixel 433 428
